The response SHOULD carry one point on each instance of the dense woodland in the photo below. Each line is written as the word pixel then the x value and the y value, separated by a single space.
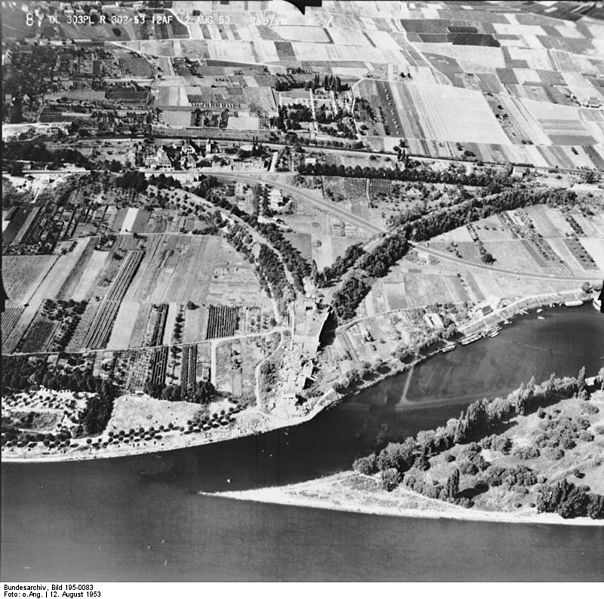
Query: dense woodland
pixel 369 265
pixel 95 415
pixel 296 264
pixel 98 410
pixel 38 153
pixel 414 171
pixel 341 265
pixel 271 268
pixel 477 427
pixel 201 392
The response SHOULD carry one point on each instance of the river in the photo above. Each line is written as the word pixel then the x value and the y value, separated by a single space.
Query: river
pixel 140 518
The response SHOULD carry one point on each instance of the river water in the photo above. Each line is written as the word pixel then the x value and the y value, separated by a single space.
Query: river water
pixel 140 518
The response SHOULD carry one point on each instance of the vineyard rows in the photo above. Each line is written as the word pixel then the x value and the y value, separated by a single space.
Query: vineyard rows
pixel 100 330
pixel 37 337
pixel 158 365
pixel 155 327
pixel 79 335
pixel 188 373
pixel 137 367
pixel 9 320
pixel 222 321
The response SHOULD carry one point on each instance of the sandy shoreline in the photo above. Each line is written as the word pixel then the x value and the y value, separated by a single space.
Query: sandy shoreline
pixel 167 444
pixel 324 494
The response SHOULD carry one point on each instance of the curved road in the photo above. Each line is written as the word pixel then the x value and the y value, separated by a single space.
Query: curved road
pixel 360 222
pixel 446 256
pixel 304 195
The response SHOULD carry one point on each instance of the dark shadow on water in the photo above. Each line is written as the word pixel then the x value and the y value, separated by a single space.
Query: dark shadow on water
pixel 328 334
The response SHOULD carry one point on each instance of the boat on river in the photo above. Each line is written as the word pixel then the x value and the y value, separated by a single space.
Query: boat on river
pixel 573 303
pixel 471 338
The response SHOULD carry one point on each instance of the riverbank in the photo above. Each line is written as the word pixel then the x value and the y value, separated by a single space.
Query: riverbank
pixel 263 424
pixel 256 422
pixel 475 329
pixel 353 492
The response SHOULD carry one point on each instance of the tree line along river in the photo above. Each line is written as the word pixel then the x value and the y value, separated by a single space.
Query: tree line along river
pixel 140 518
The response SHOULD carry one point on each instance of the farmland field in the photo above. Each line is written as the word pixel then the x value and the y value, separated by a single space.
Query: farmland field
pixel 95 266
pixel 175 269
pixel 124 325
pixel 83 252
pixel 22 274
pixel 127 282
pixel 47 286
pixel 538 238
pixel 100 329
pixel 9 319
pixel 223 321
pixel 595 247
pixel 451 114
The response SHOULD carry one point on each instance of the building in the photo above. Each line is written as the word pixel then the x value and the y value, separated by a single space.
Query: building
pixel 295 97
pixel 159 160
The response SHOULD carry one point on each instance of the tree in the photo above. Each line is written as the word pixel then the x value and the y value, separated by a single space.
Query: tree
pixel 366 465
pixel 452 487
pixel 581 388
pixel 99 409
pixel 422 463
pixel 473 422
pixel 487 258
pixel 595 509
pixel 365 370
pixel 391 478
pixel 397 455
pixel 564 498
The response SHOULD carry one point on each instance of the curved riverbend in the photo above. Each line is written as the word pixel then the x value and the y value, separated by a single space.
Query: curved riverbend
pixel 140 518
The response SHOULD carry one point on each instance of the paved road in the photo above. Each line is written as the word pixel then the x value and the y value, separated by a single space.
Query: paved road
pixel 596 276
pixel 253 232
pixel 360 222
pixel 305 196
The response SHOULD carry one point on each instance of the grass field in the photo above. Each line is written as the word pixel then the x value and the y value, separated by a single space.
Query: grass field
pixel 535 239
pixel 329 236
pixel 131 411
